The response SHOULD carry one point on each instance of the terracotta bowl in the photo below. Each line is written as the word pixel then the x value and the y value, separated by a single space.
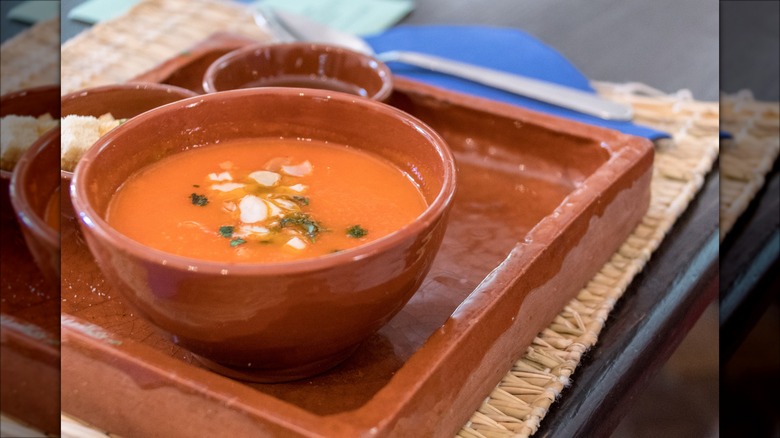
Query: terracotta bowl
pixel 123 101
pixel 274 321
pixel 33 185
pixel 300 65
pixel 31 102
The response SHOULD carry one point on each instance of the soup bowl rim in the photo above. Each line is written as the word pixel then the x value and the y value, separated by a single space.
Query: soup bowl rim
pixel 433 211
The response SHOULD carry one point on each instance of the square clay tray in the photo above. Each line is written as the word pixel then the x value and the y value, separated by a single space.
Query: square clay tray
pixel 542 203
pixel 29 331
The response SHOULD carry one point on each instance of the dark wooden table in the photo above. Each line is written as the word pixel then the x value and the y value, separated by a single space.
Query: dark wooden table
pixel 750 253
pixel 668 45
pixel 750 276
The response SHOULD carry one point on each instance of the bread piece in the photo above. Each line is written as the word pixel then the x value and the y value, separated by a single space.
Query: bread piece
pixel 79 133
pixel 46 122
pixel 17 133
pixel 108 122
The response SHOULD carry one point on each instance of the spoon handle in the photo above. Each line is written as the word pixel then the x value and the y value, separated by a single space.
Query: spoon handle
pixel 565 97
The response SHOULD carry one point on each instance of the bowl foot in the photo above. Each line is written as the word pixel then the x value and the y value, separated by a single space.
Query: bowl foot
pixel 277 375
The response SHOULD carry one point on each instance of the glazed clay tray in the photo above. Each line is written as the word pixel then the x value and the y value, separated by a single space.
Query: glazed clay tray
pixel 29 306
pixel 29 332
pixel 542 203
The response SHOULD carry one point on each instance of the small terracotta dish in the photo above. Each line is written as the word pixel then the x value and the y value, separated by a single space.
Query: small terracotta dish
pixel 275 321
pixel 122 101
pixel 300 65
pixel 31 102
pixel 35 196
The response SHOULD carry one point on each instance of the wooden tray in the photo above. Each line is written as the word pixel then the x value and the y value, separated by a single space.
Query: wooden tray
pixel 542 204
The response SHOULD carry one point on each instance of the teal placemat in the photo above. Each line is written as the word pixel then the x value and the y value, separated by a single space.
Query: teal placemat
pixel 359 17
pixel 95 11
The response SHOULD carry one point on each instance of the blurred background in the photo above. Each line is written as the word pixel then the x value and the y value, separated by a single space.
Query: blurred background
pixel 750 272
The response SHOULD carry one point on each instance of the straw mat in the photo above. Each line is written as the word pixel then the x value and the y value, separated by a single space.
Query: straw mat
pixel 31 58
pixel 748 157
pixel 153 31
pixel 115 52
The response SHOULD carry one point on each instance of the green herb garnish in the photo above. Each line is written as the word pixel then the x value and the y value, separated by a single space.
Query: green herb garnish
pixel 303 222
pixel 356 232
pixel 301 200
pixel 200 200
pixel 226 231
pixel 237 241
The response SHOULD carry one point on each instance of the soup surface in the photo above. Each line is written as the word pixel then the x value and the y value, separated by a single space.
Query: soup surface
pixel 264 200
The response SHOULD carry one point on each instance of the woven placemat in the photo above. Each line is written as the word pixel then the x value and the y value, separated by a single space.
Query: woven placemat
pixel 151 32
pixel 31 58
pixel 749 155
pixel 113 52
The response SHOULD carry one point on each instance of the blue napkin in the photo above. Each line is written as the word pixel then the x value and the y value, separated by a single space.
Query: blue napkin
pixel 503 49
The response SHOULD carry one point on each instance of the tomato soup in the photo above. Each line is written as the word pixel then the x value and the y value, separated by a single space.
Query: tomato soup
pixel 264 200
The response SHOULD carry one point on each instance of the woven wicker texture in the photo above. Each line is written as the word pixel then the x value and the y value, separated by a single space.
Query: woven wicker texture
pixel 153 31
pixel 31 59
pixel 112 52
pixel 749 155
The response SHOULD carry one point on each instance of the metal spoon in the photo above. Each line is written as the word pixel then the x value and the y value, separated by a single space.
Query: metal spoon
pixel 287 27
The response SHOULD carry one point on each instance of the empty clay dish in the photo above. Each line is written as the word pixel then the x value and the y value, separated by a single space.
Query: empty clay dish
pixel 300 65
pixel 274 321
pixel 35 196
pixel 122 101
